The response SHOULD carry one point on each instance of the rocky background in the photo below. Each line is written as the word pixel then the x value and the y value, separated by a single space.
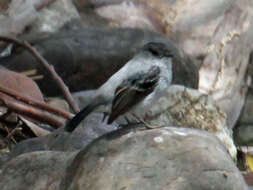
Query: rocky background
pixel 207 141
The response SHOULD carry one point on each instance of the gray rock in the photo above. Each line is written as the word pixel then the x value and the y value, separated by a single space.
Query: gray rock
pixel 20 15
pixel 247 112
pixel 4 155
pixel 90 129
pixel 35 171
pixel 166 158
pixel 244 135
pixel 190 23
pixel 229 87
pixel 185 107
pixel 53 17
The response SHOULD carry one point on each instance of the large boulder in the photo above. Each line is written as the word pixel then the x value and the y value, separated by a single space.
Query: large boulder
pixel 165 158
pixel 35 171
pixel 185 107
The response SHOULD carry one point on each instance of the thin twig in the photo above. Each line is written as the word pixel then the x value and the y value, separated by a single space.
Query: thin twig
pixel 10 136
pixel 50 68
pixel 35 103
pixel 32 112
pixel 13 131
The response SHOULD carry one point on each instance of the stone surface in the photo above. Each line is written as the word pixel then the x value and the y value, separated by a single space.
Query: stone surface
pixel 53 17
pixel 191 23
pixel 224 74
pixel 35 171
pixel 20 15
pixel 185 107
pixel 247 112
pixel 243 135
pixel 166 158
pixel 23 14
pixel 89 129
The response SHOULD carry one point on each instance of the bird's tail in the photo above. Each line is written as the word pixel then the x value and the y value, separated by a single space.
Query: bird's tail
pixel 94 102
pixel 74 122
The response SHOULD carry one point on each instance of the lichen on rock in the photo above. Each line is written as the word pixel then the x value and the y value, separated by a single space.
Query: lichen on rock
pixel 184 107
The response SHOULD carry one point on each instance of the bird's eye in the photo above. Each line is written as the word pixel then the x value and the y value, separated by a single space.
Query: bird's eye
pixel 147 85
pixel 155 52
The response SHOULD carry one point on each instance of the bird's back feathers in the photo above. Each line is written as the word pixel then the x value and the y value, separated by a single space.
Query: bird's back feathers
pixel 132 91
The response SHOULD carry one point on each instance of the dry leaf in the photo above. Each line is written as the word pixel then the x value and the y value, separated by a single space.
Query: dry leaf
pixel 34 128
pixel 22 85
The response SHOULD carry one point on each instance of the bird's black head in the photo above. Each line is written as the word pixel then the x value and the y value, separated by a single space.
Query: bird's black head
pixel 158 49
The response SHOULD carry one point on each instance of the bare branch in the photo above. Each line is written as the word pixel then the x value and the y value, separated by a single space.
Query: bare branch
pixel 50 68
pixel 29 111
pixel 35 103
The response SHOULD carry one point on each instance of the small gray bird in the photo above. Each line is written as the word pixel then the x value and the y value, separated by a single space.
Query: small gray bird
pixel 135 87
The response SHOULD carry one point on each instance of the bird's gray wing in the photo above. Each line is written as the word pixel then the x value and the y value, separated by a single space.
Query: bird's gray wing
pixel 131 92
